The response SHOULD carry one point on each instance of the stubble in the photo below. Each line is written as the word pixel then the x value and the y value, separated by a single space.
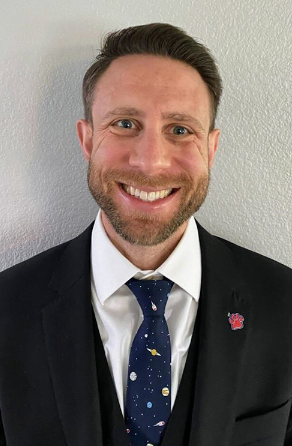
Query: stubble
pixel 141 228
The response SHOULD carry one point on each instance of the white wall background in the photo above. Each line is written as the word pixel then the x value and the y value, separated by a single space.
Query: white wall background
pixel 47 45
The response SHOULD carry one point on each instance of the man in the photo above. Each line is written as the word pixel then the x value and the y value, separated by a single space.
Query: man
pixel 69 316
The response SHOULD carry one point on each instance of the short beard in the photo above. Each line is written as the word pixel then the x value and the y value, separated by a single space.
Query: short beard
pixel 142 228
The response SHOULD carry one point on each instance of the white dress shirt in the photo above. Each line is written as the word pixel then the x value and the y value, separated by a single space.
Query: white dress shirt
pixel 118 313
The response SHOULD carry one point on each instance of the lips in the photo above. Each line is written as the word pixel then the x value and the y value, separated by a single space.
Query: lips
pixel 146 196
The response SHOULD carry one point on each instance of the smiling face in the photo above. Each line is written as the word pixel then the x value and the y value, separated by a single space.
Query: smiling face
pixel 149 147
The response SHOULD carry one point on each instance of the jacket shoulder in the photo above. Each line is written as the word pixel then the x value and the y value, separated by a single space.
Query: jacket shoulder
pixel 257 267
pixel 32 275
pixel 37 268
pixel 223 255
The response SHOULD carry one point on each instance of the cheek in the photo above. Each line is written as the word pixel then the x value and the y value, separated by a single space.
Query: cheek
pixel 109 152
pixel 201 148
pixel 194 159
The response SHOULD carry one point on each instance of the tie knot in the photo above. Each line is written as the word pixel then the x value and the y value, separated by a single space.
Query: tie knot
pixel 151 295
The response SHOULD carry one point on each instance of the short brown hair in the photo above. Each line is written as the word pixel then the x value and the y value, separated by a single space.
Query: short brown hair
pixel 161 39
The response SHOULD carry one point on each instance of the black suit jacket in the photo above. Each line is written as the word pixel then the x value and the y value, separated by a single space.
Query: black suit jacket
pixel 49 395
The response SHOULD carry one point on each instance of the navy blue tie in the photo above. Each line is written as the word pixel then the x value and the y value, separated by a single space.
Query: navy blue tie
pixel 148 403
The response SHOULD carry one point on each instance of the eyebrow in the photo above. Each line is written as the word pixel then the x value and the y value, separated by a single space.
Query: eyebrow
pixel 124 111
pixel 183 117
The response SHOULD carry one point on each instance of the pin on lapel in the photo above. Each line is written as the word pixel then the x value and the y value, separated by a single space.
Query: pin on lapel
pixel 236 321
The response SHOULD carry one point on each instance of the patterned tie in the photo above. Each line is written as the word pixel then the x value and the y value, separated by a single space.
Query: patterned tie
pixel 148 403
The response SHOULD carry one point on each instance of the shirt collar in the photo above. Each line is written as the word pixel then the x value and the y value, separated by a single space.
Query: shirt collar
pixel 110 269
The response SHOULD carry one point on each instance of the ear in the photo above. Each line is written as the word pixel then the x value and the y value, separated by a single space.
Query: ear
pixel 84 133
pixel 213 142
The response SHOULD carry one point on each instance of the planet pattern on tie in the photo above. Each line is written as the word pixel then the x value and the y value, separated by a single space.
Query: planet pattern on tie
pixel 160 423
pixel 153 352
pixel 165 391
pixel 133 376
pixel 148 407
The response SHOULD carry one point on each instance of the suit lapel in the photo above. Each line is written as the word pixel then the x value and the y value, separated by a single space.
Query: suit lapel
pixel 222 350
pixel 68 335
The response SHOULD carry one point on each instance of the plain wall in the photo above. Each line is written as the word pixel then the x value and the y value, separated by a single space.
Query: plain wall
pixel 46 47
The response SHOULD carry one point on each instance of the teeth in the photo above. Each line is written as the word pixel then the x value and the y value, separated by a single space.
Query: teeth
pixel 143 195
pixel 151 196
pixel 146 196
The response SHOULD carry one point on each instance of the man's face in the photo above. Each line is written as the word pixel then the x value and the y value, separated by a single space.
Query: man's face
pixel 149 147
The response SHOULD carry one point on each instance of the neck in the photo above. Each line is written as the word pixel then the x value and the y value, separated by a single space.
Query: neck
pixel 143 257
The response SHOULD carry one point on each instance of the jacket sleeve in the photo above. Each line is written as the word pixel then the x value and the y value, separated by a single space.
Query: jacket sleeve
pixel 2 435
pixel 288 438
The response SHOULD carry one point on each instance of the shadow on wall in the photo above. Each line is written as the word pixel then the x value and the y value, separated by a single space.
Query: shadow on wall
pixel 55 172
pixel 59 182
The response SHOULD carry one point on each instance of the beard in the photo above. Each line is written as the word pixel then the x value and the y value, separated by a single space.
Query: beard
pixel 142 228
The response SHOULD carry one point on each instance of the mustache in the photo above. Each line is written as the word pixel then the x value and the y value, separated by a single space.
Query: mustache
pixel 139 179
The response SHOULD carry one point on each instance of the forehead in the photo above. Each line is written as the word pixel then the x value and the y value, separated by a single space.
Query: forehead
pixel 151 79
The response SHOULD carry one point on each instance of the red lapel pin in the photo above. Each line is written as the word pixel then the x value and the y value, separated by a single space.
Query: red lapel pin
pixel 236 321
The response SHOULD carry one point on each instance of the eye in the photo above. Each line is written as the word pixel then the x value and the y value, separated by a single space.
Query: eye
pixel 180 130
pixel 124 124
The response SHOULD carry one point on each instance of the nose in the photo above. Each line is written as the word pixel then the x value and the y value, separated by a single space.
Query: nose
pixel 150 153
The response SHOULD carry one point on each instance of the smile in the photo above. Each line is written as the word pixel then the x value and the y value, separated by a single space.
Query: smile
pixel 146 196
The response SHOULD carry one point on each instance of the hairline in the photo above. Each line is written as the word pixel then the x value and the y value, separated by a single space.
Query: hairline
pixel 98 78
